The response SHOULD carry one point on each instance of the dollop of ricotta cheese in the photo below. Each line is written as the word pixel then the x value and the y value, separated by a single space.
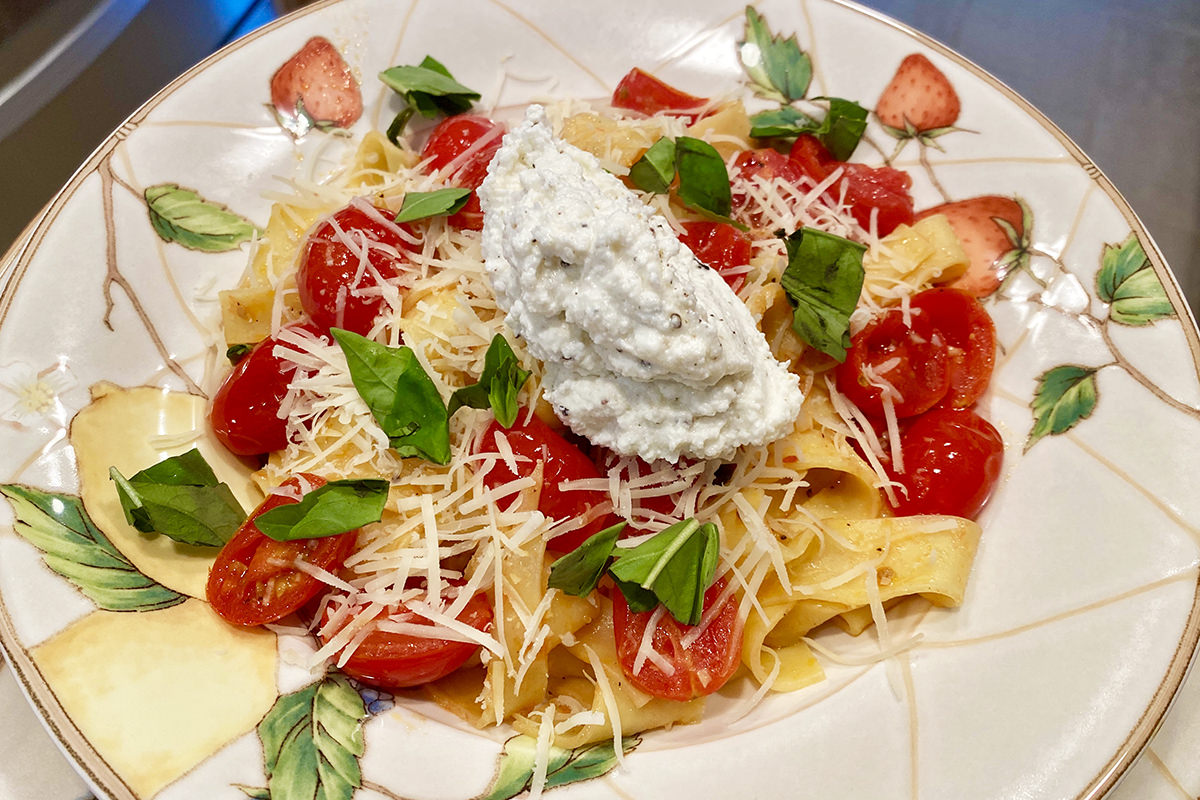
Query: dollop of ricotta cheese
pixel 647 351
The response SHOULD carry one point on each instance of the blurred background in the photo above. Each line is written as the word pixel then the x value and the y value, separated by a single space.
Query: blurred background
pixel 1121 77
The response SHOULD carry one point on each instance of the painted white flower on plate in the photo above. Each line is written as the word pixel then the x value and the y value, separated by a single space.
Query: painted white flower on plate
pixel 28 395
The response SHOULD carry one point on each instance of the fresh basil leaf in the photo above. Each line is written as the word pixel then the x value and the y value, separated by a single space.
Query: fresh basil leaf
pixel 429 89
pixel 398 123
pixel 655 170
pixel 181 499
pixel 579 571
pixel 823 280
pixel 777 66
pixel 498 385
pixel 637 598
pixel 336 507
pixel 677 564
pixel 703 179
pixel 420 205
pixel 402 398
pixel 236 352
pixel 784 121
pixel 843 127
pixel 840 131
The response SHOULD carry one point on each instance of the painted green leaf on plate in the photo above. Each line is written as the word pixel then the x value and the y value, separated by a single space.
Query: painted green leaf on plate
pixel 517 763
pixel 182 216
pixel 312 740
pixel 1065 396
pixel 76 549
pixel 779 68
pixel 1128 283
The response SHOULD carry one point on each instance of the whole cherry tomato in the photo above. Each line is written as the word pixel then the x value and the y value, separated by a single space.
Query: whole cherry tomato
pixel 245 409
pixel 720 246
pixel 254 579
pixel 335 286
pixel 449 140
pixel 952 460
pixel 699 669
pixel 970 337
pixel 909 358
pixel 641 91
pixel 533 441
pixel 393 660
pixel 864 189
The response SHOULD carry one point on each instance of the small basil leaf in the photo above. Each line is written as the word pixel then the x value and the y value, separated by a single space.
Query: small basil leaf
pixel 420 205
pixel 655 170
pixel 498 386
pixel 840 131
pixel 843 127
pixel 579 571
pixel 397 126
pixel 181 499
pixel 783 121
pixel 677 565
pixel 778 67
pixel 823 280
pixel 502 393
pixel 637 598
pixel 328 510
pixel 402 398
pixel 428 89
pixel 703 179
pixel 236 352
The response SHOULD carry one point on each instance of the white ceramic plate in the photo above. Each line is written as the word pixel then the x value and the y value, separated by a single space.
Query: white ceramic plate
pixel 1081 613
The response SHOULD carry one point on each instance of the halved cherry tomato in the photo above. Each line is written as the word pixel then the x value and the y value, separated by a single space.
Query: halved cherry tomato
pixel 720 246
pixel 245 409
pixel 864 189
pixel 334 289
pixel 392 660
pixel 700 669
pixel 453 137
pixel 534 441
pixel 641 91
pixel 952 460
pixel 911 359
pixel 254 579
pixel 766 165
pixel 970 338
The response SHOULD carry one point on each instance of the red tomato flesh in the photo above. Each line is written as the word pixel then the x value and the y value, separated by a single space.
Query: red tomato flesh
pixel 970 337
pixel 882 190
pixel 720 246
pixel 393 660
pixel 641 91
pixel 952 460
pixel 332 292
pixel 761 165
pixel 912 359
pixel 700 669
pixel 534 442
pixel 254 581
pixel 245 409
pixel 452 138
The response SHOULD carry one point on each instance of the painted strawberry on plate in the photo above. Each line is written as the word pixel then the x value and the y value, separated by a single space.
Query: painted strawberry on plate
pixel 919 102
pixel 995 233
pixel 315 88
